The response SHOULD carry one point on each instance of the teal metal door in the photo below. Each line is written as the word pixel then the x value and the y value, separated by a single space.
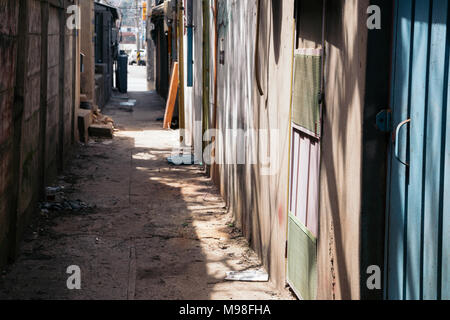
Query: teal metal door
pixel 418 209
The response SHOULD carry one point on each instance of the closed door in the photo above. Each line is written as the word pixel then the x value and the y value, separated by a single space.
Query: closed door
pixel 304 174
pixel 418 209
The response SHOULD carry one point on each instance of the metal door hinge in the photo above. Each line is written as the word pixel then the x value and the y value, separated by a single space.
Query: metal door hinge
pixel 384 120
pixel 286 250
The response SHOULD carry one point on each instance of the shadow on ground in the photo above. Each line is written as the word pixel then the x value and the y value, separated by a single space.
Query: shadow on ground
pixel 155 231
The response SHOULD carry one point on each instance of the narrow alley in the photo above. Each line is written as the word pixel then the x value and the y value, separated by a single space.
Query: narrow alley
pixel 225 150
pixel 149 230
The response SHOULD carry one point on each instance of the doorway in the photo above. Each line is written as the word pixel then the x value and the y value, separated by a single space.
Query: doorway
pixel 418 208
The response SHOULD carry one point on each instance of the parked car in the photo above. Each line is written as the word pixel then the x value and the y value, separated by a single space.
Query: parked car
pixel 143 60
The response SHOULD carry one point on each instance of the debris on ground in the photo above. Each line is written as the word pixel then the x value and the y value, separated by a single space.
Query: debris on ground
pixel 99 118
pixel 248 276
pixel 52 192
pixel 128 106
pixel 139 207
pixel 180 160
pixel 55 200
pixel 65 205
pixel 129 103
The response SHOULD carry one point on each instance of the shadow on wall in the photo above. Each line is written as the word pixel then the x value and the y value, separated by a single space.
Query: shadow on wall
pixel 254 198
pixel 343 112
pixel 277 18
pixel 241 184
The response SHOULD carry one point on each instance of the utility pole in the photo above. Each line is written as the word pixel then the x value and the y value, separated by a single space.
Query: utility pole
pixel 137 18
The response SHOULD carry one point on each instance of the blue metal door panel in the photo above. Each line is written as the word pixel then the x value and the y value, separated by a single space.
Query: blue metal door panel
pixel 418 241
pixel 446 207
pixel 398 190
pixel 418 107
pixel 433 149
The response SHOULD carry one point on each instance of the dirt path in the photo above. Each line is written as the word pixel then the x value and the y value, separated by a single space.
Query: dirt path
pixel 152 231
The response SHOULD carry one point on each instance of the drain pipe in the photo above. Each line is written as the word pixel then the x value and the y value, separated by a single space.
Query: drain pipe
pixel 190 35
pixel 216 41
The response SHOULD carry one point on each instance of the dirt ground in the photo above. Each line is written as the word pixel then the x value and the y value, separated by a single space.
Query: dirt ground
pixel 145 230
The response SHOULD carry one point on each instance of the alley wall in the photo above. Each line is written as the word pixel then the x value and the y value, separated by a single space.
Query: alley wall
pixel 255 192
pixel 340 27
pixel 254 92
pixel 266 214
pixel 341 165
pixel 9 14
pixel 37 109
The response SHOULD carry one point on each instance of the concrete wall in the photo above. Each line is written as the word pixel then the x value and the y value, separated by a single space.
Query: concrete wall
pixel 68 92
pixel 77 77
pixel 341 165
pixel 28 94
pixel 87 48
pixel 37 108
pixel 53 97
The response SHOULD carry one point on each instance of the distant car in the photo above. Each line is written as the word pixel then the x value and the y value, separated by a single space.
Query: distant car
pixel 133 58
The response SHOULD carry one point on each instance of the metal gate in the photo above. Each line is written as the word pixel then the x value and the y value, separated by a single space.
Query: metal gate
pixel 418 221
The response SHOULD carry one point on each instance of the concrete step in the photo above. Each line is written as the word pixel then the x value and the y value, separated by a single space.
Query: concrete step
pixel 101 130
pixel 84 122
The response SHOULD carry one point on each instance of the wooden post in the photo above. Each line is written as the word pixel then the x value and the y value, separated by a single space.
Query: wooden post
pixel 181 64
pixel 216 41
pixel 214 166
pixel 174 82
pixel 206 69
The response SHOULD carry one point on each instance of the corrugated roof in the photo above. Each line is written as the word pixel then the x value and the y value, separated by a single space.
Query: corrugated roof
pixel 113 10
